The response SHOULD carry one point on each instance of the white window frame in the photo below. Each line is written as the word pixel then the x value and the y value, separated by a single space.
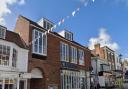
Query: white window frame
pixel 73 55
pixel 2 29
pixel 3 62
pixel 44 48
pixel 70 35
pixel 81 57
pixel 64 52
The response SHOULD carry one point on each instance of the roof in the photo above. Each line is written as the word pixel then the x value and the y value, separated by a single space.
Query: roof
pixel 15 38
pixel 32 22
pixel 55 33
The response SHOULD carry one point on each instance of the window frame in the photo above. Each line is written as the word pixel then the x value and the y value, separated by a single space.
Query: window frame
pixel 44 53
pixel 81 52
pixel 64 56
pixel 2 32
pixel 5 57
pixel 74 55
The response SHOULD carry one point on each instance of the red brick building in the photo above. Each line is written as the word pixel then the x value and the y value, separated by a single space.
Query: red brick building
pixel 56 61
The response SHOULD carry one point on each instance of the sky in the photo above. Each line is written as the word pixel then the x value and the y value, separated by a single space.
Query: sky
pixel 98 21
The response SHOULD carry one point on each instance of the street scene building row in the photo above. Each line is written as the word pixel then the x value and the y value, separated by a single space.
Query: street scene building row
pixel 32 58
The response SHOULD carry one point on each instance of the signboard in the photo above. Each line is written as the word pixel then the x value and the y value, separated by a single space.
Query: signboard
pixel 69 65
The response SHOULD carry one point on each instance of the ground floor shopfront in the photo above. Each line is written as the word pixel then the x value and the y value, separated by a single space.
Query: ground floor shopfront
pixel 73 79
pixel 13 80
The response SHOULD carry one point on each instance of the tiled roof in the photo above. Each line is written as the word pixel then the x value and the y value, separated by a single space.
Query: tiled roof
pixel 15 38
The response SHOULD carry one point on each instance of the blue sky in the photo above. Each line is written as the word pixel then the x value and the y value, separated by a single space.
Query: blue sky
pixel 109 17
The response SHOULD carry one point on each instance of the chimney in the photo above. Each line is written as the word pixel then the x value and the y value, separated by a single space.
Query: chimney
pixel 97 48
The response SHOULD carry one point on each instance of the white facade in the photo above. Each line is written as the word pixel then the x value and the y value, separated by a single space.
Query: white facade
pixel 117 62
pixel 97 65
pixel 11 77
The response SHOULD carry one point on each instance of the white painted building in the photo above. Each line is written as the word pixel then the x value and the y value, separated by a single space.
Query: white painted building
pixel 13 61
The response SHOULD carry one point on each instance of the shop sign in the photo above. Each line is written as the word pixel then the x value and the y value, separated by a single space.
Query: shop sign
pixel 68 65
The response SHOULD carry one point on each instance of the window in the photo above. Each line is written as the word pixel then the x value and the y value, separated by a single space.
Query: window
pixel 73 79
pixel 73 55
pixel 81 57
pixel 2 32
pixel 47 25
pixel 68 36
pixel 64 49
pixel 14 58
pixel 4 55
pixel 39 42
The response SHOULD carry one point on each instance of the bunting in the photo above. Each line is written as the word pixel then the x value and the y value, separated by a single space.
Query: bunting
pixel 84 3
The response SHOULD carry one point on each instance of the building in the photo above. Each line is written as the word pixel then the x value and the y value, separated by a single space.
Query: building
pixel 118 66
pixel 13 60
pixel 56 61
pixel 103 63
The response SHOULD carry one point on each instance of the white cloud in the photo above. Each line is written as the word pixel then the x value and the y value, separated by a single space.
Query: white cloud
pixel 22 2
pixel 4 9
pixel 104 39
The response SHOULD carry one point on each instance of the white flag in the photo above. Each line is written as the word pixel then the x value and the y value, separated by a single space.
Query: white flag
pixel 73 13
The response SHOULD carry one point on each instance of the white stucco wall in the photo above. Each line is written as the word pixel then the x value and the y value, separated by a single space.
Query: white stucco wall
pixel 22 59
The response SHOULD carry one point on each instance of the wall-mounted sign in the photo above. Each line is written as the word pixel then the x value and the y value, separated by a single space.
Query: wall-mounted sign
pixel 67 65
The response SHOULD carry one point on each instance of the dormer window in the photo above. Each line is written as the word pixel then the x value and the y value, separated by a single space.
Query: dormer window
pixel 68 36
pixel 45 23
pixel 2 32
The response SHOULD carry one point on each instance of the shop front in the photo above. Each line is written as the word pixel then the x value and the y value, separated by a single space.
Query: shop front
pixel 13 80
pixel 72 77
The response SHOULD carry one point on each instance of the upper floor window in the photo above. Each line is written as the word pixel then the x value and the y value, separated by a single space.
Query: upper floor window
pixel 68 35
pixel 74 55
pixel 81 57
pixel 4 55
pixel 2 32
pixel 39 43
pixel 47 25
pixel 14 58
pixel 64 51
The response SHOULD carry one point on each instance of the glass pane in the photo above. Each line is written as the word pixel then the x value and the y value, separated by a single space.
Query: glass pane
pixel 40 39
pixel 35 48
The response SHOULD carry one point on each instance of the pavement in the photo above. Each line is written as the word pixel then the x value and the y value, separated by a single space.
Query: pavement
pixel 125 85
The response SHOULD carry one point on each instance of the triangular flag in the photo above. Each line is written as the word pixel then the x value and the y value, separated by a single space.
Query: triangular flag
pixel 78 9
pixel 73 13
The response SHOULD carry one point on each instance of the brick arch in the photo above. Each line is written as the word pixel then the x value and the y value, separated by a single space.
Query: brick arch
pixel 38 83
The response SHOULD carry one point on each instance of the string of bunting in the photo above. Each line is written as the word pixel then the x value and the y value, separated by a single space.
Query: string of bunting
pixel 83 2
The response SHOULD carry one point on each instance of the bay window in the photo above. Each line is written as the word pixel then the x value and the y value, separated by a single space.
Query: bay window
pixel 81 57
pixel 64 51
pixel 39 43
pixel 73 55
pixel 4 55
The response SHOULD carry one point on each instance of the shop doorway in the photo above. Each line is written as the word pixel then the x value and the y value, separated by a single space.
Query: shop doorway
pixel 37 80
